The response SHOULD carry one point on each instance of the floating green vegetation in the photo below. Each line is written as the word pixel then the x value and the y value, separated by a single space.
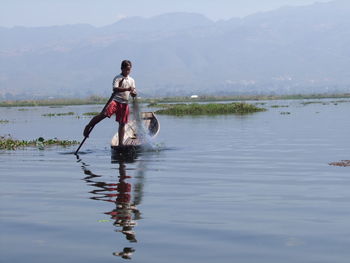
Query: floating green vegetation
pixel 93 113
pixel 8 143
pixel 336 102
pixel 4 121
pixel 22 109
pixel 158 105
pixel 210 109
pixel 314 102
pixel 285 112
pixel 54 102
pixel 279 106
pixel 102 100
pixel 58 114
pixel 49 115
pixel 339 101
pixel 163 105
pixel 245 98
pixel 65 114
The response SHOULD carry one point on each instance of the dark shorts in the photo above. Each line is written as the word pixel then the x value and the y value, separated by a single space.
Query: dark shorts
pixel 120 110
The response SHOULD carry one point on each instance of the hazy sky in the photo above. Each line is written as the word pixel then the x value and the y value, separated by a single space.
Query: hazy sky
pixel 103 12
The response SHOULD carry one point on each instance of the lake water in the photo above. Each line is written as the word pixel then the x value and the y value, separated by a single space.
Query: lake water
pixel 253 188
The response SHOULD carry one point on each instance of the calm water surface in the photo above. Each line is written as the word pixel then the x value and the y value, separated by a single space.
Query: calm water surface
pixel 255 188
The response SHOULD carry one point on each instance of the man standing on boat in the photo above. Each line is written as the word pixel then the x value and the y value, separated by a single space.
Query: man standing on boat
pixel 123 87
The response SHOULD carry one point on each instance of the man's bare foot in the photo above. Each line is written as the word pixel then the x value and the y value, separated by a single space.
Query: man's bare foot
pixel 87 130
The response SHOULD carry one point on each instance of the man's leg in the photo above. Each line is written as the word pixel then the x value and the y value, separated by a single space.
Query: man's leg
pixel 92 123
pixel 121 132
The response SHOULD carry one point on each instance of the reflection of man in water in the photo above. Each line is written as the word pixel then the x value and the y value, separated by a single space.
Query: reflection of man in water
pixel 126 253
pixel 123 213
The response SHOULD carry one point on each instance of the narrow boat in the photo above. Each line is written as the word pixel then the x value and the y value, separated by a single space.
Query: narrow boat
pixel 135 137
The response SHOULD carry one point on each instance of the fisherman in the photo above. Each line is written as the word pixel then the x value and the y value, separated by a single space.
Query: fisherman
pixel 123 87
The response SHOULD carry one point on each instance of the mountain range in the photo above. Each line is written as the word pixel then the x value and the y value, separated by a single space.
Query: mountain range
pixel 289 50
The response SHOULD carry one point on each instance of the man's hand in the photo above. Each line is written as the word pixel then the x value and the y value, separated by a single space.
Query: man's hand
pixel 133 92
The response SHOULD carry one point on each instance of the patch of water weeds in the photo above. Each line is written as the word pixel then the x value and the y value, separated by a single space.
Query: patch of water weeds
pixel 279 106
pixel 314 102
pixel 162 105
pixel 4 121
pixel 8 143
pixel 210 109
pixel 91 113
pixel 339 101
pixel 58 114
pixel 334 102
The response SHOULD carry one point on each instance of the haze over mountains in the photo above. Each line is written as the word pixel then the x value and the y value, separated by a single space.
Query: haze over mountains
pixel 289 50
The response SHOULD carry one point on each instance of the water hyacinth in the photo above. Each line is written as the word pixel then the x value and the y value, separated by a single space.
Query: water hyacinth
pixel 49 115
pixel 159 105
pixel 58 114
pixel 279 106
pixel 54 102
pixel 94 100
pixel 93 113
pixel 8 143
pixel 210 109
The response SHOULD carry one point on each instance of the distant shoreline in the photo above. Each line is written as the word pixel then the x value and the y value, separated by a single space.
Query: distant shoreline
pixel 95 100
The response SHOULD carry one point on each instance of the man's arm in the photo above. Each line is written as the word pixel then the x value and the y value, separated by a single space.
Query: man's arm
pixel 122 89
pixel 119 88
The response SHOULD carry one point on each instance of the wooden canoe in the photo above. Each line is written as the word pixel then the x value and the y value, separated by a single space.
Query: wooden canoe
pixel 133 140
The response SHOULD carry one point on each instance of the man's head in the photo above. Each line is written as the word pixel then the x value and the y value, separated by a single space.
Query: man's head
pixel 126 67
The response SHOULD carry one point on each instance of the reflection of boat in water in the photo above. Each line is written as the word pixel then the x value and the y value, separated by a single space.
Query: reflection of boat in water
pixel 135 137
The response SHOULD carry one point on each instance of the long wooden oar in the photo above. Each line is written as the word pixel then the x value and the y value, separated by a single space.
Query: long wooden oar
pixel 81 144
